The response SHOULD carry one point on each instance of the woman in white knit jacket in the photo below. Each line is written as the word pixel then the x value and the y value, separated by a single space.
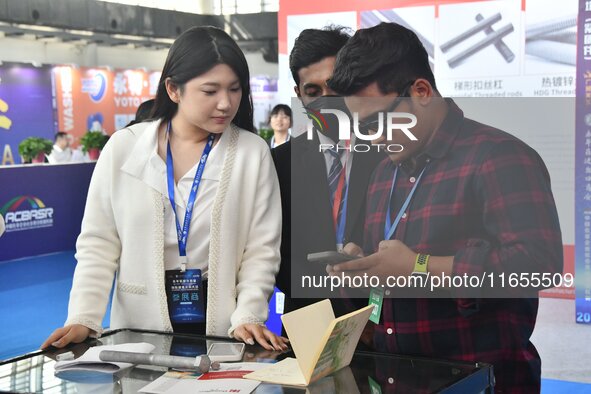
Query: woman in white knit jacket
pixel 200 148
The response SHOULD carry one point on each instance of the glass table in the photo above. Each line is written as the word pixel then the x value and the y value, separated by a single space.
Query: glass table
pixel 369 372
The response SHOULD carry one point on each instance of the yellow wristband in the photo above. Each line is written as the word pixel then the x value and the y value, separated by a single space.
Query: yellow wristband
pixel 421 263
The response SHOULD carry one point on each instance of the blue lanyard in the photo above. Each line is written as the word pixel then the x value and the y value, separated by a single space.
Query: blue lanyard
pixel 389 227
pixel 183 233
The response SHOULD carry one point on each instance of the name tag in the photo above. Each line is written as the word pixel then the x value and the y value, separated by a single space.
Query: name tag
pixel 376 298
pixel 185 296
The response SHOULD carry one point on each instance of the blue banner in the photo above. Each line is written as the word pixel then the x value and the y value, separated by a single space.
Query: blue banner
pixel 42 206
pixel 26 108
pixel 583 167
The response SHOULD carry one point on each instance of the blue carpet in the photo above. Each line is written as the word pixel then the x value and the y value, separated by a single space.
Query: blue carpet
pixel 551 386
pixel 34 296
pixel 33 300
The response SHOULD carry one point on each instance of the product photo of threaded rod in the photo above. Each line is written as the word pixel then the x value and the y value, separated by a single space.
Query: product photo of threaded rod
pixel 541 29
pixel 483 24
pixel 503 49
pixel 490 39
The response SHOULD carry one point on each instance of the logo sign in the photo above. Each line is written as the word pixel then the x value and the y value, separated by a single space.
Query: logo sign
pixel 315 119
pixel 386 124
pixel 345 124
pixel 26 213
pixel 95 86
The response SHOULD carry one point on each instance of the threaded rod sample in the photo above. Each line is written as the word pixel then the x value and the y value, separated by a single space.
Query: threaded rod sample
pixel 503 49
pixel 490 39
pixel 552 51
pixel 567 37
pixel 470 32
pixel 551 26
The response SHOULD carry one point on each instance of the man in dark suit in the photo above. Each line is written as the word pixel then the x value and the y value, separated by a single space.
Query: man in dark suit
pixel 310 178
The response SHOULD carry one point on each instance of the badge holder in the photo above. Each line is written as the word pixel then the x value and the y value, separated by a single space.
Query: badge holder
pixel 185 296
pixel 376 298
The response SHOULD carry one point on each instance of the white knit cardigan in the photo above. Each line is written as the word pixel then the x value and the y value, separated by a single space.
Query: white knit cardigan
pixel 122 232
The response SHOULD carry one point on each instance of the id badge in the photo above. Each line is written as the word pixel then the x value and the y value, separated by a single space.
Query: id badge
pixel 185 296
pixel 376 298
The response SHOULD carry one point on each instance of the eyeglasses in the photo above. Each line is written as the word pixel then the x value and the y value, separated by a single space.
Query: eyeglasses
pixel 371 125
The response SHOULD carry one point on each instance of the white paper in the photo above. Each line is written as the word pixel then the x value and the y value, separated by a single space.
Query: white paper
pixel 180 386
pixel 245 366
pixel 90 360
pixel 186 382
pixel 286 371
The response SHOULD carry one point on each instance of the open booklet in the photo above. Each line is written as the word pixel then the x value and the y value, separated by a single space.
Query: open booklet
pixel 322 344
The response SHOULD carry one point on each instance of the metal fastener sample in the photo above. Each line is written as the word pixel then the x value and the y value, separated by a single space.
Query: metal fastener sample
pixel 565 36
pixel 200 363
pixel 470 32
pixel 503 49
pixel 490 39
pixel 552 51
pixel 373 18
pixel 551 26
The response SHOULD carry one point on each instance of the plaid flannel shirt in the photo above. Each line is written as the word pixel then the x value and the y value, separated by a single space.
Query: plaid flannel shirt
pixel 485 199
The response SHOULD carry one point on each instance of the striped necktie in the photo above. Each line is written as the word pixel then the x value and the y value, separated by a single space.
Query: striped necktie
pixel 334 174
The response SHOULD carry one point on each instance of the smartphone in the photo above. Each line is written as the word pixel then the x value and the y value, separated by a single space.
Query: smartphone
pixel 225 351
pixel 330 257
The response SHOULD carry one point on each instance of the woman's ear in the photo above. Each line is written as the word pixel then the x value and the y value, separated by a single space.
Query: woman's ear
pixel 173 90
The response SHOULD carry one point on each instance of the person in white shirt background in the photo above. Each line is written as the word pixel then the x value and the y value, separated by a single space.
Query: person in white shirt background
pixel 192 194
pixel 61 152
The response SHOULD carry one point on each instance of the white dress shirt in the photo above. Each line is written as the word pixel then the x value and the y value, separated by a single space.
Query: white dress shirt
pixel 346 156
pixel 59 155
pixel 199 229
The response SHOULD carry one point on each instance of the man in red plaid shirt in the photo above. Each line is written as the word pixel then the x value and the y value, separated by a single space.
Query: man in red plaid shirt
pixel 464 198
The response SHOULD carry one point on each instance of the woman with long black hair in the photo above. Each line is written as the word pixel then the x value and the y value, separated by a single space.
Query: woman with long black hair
pixel 184 208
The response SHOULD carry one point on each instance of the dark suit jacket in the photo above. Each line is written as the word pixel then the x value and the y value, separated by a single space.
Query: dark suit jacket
pixel 307 212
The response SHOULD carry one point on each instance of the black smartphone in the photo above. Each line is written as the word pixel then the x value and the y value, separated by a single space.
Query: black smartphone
pixel 330 257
